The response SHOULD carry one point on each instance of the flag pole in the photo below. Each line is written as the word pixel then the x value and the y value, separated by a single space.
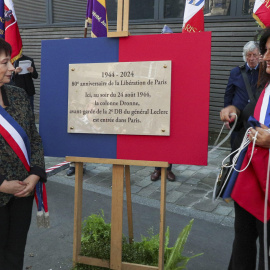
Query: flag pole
pixel 85 28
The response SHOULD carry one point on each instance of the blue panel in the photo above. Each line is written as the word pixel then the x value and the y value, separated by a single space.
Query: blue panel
pixel 56 55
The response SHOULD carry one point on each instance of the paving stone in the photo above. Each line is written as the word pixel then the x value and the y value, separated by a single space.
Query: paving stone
pixel 228 221
pixel 232 214
pixel 199 175
pixel 204 186
pixel 182 179
pixel 105 183
pixel 144 172
pixel 146 191
pixel 185 188
pixel 155 195
pixel 213 155
pixel 205 205
pixel 135 189
pixel 134 169
pixel 200 193
pixel 145 182
pixel 194 167
pixel 172 185
pixel 222 210
pixel 208 181
pixel 93 179
pixel 186 200
pixel 193 181
pixel 205 171
pixel 181 167
pixel 136 178
pixel 104 168
pixel 187 173
pixel 177 174
pixel 174 196
pixel 104 174
pixel 95 171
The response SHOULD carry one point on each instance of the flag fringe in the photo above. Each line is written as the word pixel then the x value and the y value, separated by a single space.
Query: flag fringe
pixel 259 21
pixel 16 57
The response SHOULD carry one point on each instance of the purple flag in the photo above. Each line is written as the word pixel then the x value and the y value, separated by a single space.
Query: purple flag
pixel 2 20
pixel 96 14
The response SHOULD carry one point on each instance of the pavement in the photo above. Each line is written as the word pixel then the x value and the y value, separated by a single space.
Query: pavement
pixel 190 196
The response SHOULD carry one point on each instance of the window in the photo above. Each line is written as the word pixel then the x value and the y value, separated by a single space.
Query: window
pixel 138 9
pixel 72 12
pixel 174 8
pixel 29 13
pixel 217 7
pixel 68 11
pixel 248 7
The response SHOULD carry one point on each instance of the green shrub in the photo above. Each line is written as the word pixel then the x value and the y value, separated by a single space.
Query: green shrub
pixel 96 237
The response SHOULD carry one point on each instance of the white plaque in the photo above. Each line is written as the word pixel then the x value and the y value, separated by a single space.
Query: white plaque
pixel 120 98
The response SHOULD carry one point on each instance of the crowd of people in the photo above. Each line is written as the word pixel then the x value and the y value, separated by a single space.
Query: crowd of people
pixel 247 94
pixel 250 192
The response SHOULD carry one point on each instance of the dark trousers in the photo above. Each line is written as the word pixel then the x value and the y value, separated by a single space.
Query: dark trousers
pixel 168 169
pixel 15 219
pixel 247 230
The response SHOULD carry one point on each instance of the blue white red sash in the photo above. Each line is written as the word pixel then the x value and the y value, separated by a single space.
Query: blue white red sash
pixel 16 137
pixel 18 140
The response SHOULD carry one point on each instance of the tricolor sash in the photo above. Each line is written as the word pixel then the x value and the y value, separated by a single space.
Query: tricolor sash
pixel 18 140
pixel 16 137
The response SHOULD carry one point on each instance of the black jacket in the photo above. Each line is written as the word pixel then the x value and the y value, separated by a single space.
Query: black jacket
pixel 242 123
pixel 25 81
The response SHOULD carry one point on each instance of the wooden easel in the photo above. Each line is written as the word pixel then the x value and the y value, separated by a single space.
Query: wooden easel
pixel 119 168
pixel 122 20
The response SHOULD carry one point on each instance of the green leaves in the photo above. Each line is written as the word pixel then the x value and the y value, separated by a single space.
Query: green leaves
pixel 175 259
pixel 96 237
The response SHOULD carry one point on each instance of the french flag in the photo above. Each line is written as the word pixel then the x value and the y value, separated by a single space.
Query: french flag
pixel 261 12
pixel 193 16
pixel 9 29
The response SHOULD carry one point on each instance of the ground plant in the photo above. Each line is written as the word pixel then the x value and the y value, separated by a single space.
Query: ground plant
pixel 96 237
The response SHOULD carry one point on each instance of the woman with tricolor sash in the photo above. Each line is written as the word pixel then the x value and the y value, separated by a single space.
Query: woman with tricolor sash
pixel 21 165
pixel 251 189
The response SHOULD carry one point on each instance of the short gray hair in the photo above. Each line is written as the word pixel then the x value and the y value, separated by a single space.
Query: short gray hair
pixel 249 47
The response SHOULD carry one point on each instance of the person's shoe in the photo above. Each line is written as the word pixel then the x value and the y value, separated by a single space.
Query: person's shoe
pixel 155 175
pixel 170 176
pixel 71 171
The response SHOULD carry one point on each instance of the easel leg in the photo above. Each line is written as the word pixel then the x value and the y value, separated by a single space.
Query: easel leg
pixel 162 219
pixel 117 216
pixel 77 211
pixel 129 203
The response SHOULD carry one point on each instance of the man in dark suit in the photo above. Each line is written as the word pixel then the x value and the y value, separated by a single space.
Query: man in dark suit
pixel 236 93
pixel 24 78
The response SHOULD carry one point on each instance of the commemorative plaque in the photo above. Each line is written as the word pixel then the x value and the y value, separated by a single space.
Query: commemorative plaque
pixel 120 98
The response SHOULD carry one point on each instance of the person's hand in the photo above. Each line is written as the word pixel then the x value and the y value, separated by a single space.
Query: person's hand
pixel 227 114
pixel 29 183
pixel 12 187
pixel 227 125
pixel 18 70
pixel 30 69
pixel 263 136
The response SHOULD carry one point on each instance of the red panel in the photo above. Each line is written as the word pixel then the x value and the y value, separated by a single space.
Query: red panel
pixel 190 55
